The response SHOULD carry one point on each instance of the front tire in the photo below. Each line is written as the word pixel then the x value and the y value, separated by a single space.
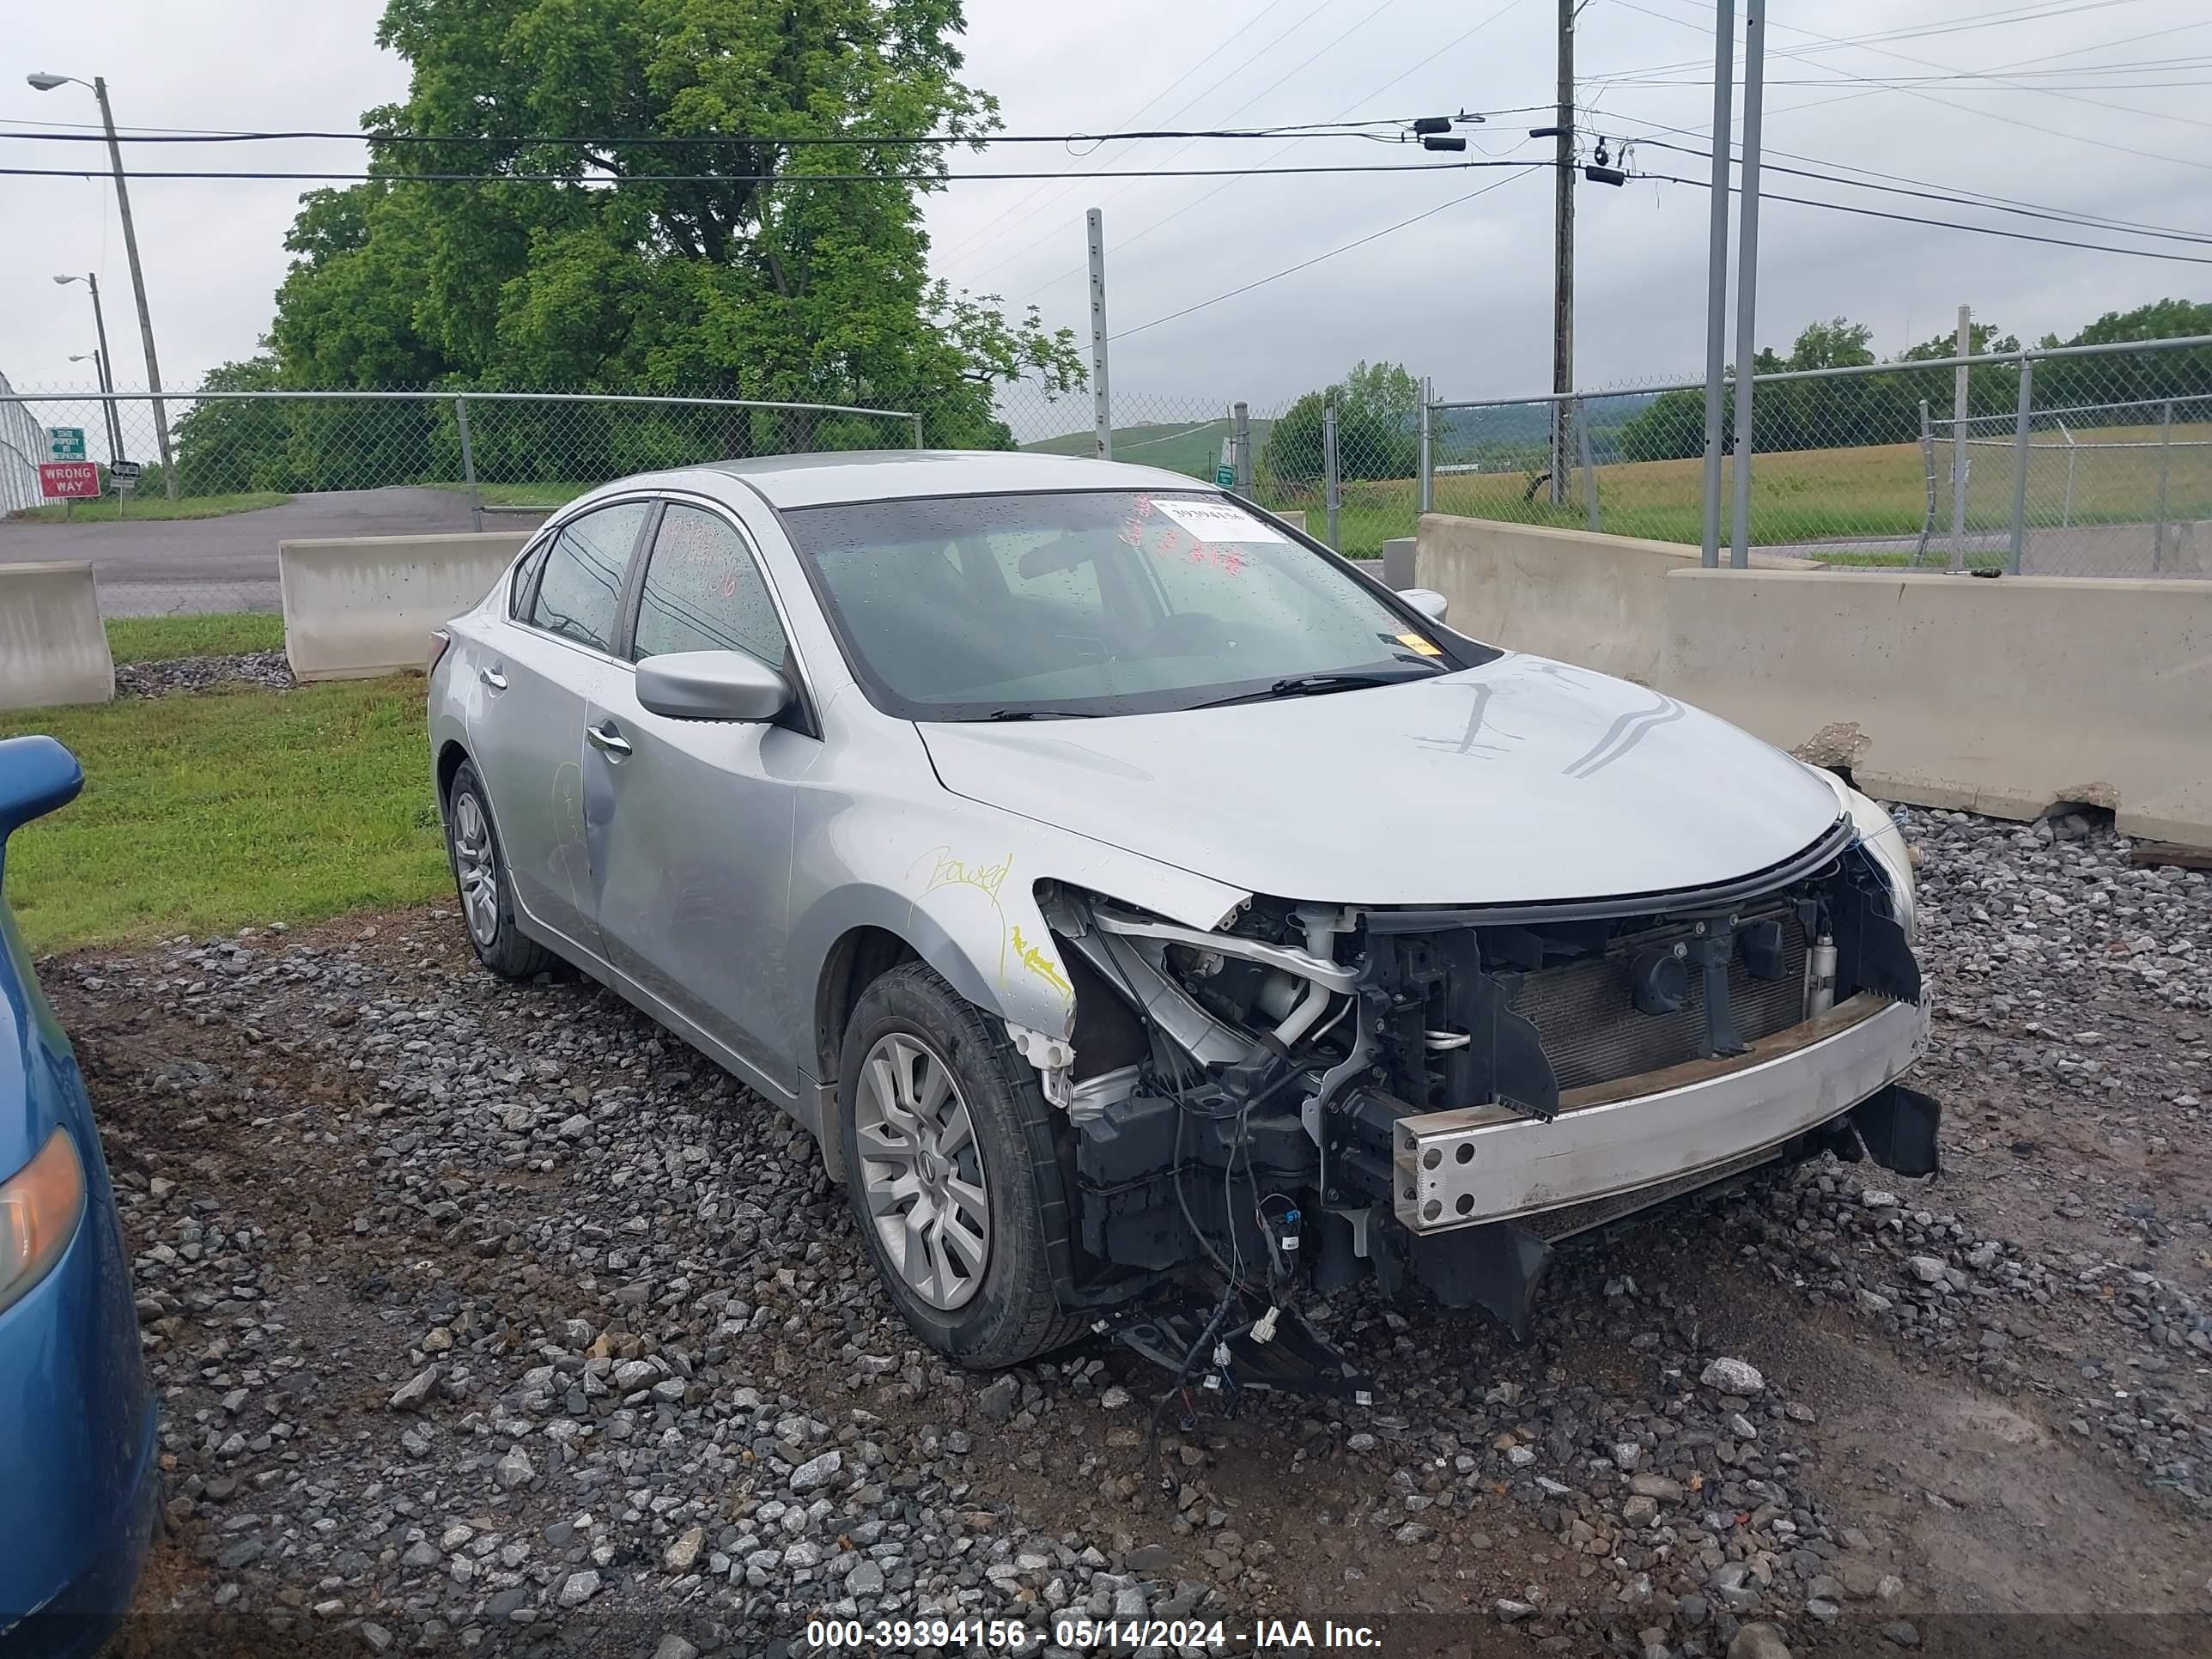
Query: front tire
pixel 480 877
pixel 947 1142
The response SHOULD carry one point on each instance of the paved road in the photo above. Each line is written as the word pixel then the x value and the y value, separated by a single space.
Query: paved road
pixel 152 567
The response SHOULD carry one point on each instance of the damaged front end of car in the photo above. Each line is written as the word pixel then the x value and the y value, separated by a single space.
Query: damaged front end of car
pixel 1309 1094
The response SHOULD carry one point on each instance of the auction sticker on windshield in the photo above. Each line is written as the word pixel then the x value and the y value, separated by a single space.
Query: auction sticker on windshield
pixel 1218 521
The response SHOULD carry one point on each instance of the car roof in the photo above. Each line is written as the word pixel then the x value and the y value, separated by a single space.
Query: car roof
pixel 876 475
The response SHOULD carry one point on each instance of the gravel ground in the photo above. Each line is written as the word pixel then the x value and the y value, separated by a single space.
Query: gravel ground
pixel 487 1318
pixel 271 670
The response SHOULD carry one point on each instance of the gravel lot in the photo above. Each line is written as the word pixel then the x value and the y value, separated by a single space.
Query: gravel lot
pixel 487 1318
pixel 271 670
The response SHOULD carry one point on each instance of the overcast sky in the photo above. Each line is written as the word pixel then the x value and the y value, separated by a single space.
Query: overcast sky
pixel 1463 295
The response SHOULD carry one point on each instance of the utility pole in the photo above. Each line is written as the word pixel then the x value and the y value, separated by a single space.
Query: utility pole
pixel 104 361
pixel 1101 404
pixel 45 82
pixel 1717 275
pixel 1747 274
pixel 1563 248
pixel 138 285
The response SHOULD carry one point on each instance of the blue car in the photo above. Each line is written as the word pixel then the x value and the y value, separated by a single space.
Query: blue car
pixel 80 1489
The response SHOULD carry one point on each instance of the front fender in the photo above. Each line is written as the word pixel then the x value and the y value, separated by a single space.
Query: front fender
pixel 958 881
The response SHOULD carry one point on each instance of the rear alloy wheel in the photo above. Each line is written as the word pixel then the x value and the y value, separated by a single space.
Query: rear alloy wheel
pixel 951 1171
pixel 480 875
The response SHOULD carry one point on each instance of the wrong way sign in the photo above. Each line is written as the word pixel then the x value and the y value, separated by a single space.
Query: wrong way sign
pixel 62 481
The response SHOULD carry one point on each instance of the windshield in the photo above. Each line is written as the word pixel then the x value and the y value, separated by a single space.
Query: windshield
pixel 1117 602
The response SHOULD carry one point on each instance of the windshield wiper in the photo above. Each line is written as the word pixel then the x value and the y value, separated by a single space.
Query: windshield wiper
pixel 1310 685
pixel 1034 714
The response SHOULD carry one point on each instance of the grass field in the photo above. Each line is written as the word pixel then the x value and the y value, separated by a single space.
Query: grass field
pixel 213 633
pixel 206 813
pixel 557 493
pixel 1817 495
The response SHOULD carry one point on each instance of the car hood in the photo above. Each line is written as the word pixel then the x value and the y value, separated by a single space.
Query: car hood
pixel 1522 779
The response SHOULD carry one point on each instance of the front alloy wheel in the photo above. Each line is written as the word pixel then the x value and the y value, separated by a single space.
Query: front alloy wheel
pixel 952 1171
pixel 922 1172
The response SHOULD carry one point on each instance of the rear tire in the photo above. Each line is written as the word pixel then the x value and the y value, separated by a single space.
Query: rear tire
pixel 480 877
pixel 948 1153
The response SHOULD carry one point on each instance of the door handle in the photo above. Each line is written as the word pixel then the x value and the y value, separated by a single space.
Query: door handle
pixel 607 740
pixel 492 677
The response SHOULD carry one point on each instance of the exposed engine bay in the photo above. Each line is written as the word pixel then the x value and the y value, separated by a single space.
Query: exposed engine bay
pixel 1313 1094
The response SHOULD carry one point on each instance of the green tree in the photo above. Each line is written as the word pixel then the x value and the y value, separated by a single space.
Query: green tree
pixel 721 260
pixel 1377 423
pixel 225 445
pixel 2128 388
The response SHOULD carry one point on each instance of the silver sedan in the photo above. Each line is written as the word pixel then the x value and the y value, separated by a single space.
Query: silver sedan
pixel 1156 921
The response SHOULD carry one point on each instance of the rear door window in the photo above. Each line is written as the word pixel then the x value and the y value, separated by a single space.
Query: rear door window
pixel 579 595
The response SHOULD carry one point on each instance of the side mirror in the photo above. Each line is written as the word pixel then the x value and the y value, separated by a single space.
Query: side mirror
pixel 37 775
pixel 712 685
pixel 1427 600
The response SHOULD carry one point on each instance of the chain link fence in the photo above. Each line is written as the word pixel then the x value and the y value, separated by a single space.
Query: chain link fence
pixel 2074 461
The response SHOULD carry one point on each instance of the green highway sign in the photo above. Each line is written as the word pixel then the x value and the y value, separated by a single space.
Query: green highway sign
pixel 65 443
pixel 1225 475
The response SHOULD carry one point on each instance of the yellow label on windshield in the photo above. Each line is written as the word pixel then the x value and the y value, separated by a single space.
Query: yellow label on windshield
pixel 1415 643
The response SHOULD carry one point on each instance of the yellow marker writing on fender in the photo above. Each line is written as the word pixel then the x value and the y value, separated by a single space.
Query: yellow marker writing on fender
pixel 1039 964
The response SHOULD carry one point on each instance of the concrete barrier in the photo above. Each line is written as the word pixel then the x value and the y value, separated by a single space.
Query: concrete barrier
pixel 362 606
pixel 1999 696
pixel 53 647
pixel 1398 563
pixel 1580 596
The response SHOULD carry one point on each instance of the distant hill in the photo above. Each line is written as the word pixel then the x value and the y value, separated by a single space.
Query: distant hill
pixel 1179 447
pixel 1511 436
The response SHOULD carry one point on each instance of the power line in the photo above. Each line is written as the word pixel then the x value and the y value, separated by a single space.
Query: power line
pixel 976 237
pixel 1996 19
pixel 1304 265
pixel 1942 224
pixel 1126 241
pixel 746 178
pixel 1875 86
pixel 1336 129
pixel 2054 215
pixel 1370 17
pixel 1967 196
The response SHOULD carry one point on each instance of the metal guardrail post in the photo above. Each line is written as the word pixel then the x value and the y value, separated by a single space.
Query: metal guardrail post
pixel 2066 508
pixel 1589 472
pixel 469 464
pixel 1961 408
pixel 1241 443
pixel 1102 400
pixel 1331 483
pixel 2165 455
pixel 1927 466
pixel 2018 547
pixel 1428 492
pixel 918 444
